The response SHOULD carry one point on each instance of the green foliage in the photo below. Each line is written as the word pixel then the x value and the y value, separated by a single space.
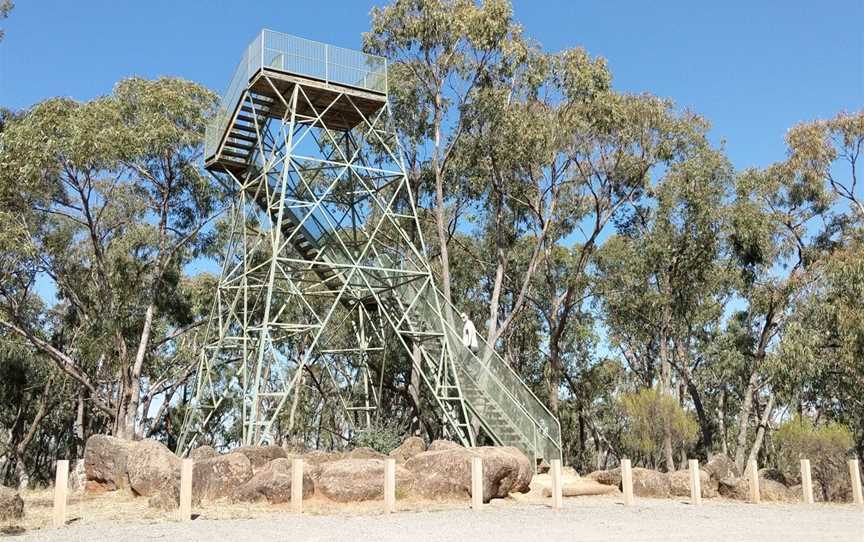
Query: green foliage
pixel 382 436
pixel 106 199
pixel 646 415
pixel 5 7
pixel 827 446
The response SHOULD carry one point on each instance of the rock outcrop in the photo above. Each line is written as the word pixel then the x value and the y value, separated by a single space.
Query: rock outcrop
pixel 273 483
pixel 769 490
pixel 11 504
pixel 651 483
pixel 105 463
pixel 679 484
pixel 408 449
pixel 447 473
pixel 364 452
pixel 351 480
pixel 259 456
pixel 438 445
pixel 220 476
pixel 203 452
pixel 721 466
pixel 606 477
pixel 153 469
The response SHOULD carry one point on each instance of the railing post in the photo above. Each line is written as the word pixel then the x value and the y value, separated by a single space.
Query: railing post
pixel 806 482
pixel 389 485
pixel 61 485
pixel 185 512
pixel 297 485
pixel 326 63
pixel 755 496
pixel 855 476
pixel 695 482
pixel 476 483
pixel 557 490
pixel 627 482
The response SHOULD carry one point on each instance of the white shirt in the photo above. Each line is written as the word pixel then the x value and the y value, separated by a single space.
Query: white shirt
pixel 469 335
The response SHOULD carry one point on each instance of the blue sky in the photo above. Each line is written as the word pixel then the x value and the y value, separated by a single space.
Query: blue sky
pixel 752 68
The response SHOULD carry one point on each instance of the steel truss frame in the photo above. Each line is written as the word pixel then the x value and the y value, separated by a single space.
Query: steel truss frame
pixel 325 259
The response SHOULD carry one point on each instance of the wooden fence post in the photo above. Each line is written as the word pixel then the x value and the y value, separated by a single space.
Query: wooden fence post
pixel 627 482
pixel 476 483
pixel 855 475
pixel 557 490
pixel 61 487
pixel 806 482
pixel 297 485
pixel 755 496
pixel 389 485
pixel 695 482
pixel 185 512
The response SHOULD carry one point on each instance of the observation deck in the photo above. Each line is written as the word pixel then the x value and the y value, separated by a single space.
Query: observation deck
pixel 262 84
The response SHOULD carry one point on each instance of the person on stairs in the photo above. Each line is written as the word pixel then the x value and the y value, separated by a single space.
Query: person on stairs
pixel 469 333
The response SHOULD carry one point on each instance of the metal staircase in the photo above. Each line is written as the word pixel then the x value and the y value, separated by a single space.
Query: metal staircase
pixel 303 144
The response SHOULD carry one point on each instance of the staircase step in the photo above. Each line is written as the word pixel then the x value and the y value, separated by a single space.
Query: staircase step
pixel 229 151
pixel 244 136
pixel 260 111
pixel 251 120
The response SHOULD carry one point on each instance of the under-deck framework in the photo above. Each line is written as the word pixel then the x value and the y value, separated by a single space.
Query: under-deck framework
pixel 326 265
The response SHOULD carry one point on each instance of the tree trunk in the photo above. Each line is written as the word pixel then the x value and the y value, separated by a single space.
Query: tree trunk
pixel 744 421
pixel 760 432
pixel 665 385
pixel 440 216
pixel 721 422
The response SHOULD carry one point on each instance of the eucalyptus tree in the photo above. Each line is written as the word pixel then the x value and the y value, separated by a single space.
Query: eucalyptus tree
pixel 788 218
pixel 515 160
pixel 441 52
pixel 614 143
pixel 103 204
pixel 664 281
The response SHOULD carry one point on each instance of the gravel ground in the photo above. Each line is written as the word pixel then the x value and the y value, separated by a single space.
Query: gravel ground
pixel 583 519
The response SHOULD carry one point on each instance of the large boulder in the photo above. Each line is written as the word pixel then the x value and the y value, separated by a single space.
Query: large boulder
pixel 513 463
pixel 438 445
pixel 408 449
pixel 11 504
pixel 606 477
pixel 105 462
pixel 314 461
pixel 273 483
pixel 364 452
pixel 153 469
pixel 203 452
pixel 769 490
pixel 651 483
pixel 319 457
pixel 720 466
pixel 218 477
pixel 351 480
pixel 259 456
pixel 77 476
pixel 679 484
pixel 446 473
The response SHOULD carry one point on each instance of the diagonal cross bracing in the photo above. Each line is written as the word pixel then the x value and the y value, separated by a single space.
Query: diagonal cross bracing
pixel 325 272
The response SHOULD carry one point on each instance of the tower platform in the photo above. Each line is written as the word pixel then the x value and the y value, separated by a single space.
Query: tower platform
pixel 342 87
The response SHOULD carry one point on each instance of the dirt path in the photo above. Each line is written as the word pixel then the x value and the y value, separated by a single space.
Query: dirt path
pixel 583 519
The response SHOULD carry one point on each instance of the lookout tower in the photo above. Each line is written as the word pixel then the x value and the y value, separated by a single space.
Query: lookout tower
pixel 326 267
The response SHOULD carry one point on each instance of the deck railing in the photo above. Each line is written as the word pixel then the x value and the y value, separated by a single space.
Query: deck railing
pixel 298 56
